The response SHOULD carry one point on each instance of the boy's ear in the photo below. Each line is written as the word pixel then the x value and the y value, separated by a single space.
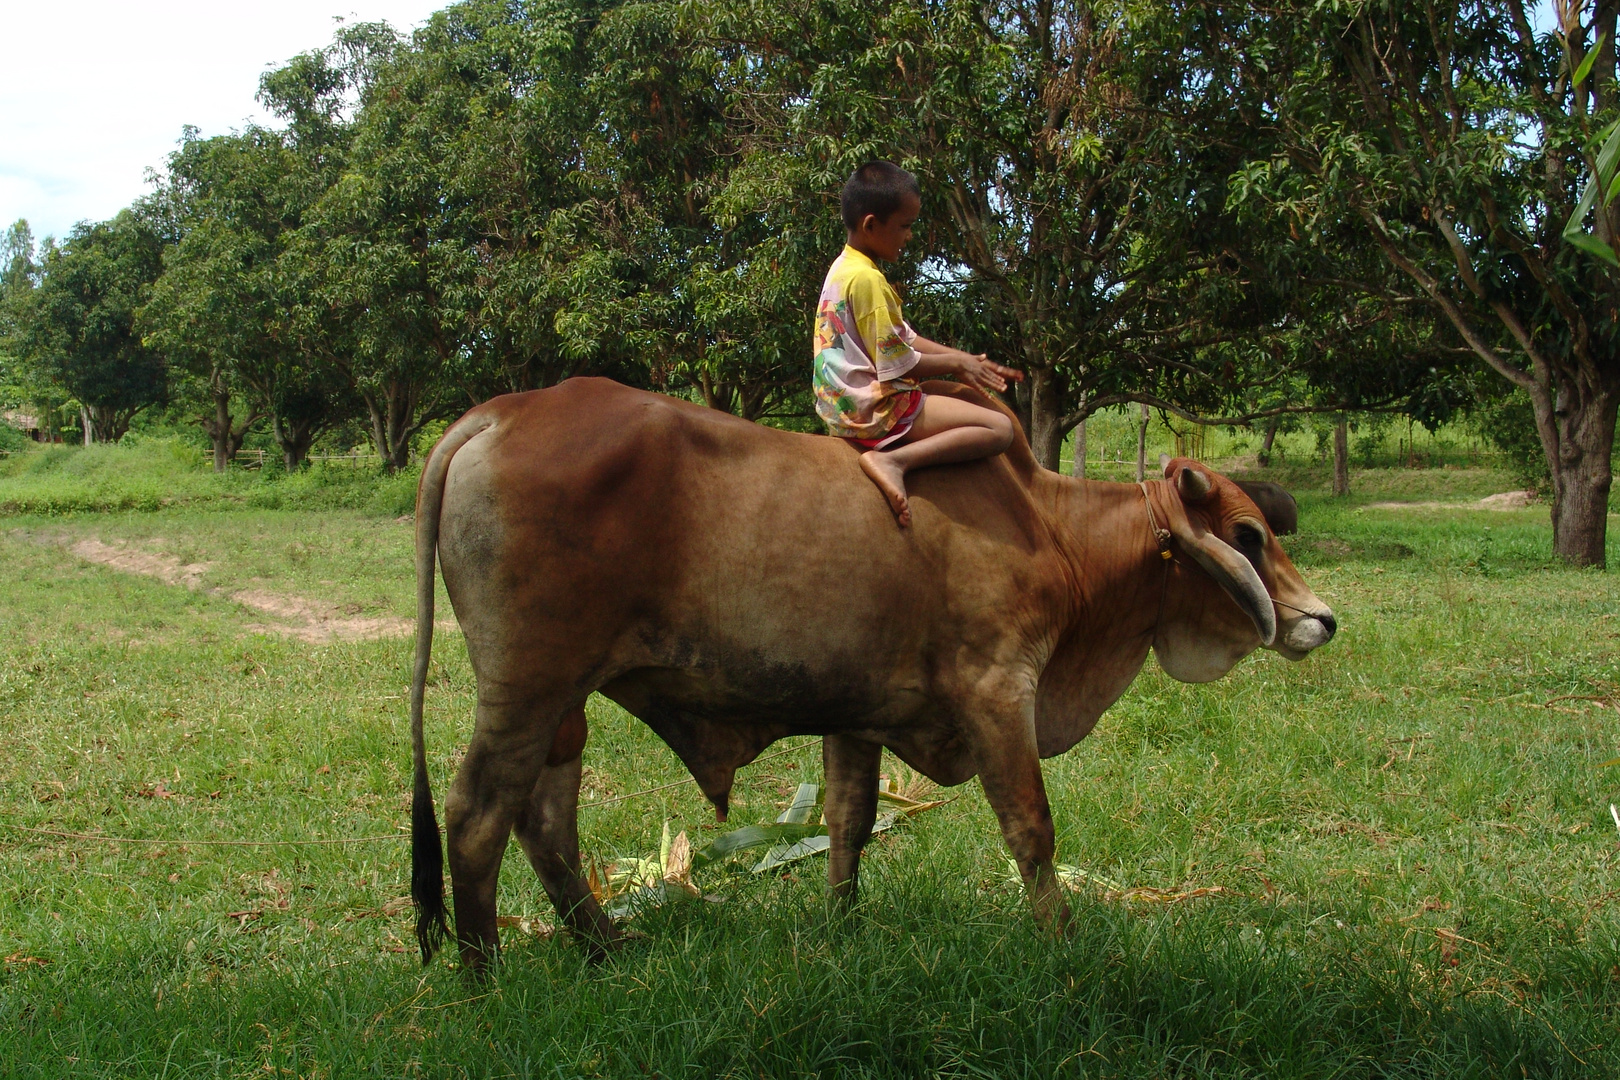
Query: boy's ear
pixel 867 221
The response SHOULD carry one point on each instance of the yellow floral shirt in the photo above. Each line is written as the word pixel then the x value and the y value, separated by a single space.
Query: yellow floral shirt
pixel 862 350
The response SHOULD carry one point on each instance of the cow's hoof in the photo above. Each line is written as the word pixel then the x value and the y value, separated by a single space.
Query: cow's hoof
pixel 599 945
pixel 1057 920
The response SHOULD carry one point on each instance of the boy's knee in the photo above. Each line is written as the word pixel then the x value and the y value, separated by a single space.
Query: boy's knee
pixel 1002 425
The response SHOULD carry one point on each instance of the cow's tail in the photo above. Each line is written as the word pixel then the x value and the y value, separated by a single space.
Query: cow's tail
pixel 427 853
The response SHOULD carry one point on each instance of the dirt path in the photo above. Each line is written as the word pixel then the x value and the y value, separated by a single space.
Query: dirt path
pixel 1506 500
pixel 298 617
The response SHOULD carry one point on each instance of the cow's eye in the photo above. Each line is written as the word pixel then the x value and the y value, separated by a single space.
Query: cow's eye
pixel 1250 542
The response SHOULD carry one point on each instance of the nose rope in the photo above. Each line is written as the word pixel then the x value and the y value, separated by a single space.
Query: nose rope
pixel 1161 538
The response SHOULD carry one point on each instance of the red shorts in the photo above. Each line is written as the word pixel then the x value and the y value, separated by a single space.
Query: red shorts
pixel 902 423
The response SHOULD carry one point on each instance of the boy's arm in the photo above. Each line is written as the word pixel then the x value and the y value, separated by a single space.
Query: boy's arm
pixel 978 370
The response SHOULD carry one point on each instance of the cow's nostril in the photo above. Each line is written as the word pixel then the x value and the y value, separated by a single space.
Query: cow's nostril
pixel 1332 624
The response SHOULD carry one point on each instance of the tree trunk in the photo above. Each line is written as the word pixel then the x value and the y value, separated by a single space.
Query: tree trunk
pixel 1269 441
pixel 222 432
pixel 294 438
pixel 1341 458
pixel 1046 417
pixel 1577 436
pixel 391 423
pixel 219 431
pixel 104 423
pixel 1080 450
pixel 1141 446
pixel 716 396
pixel 84 424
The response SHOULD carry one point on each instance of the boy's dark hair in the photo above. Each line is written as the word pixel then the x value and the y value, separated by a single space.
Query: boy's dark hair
pixel 878 188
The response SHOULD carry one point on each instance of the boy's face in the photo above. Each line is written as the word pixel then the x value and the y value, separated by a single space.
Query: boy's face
pixel 885 239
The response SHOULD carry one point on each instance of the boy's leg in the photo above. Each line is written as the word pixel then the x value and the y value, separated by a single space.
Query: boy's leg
pixel 946 430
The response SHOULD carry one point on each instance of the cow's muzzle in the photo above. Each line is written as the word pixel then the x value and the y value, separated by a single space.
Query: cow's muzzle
pixel 1301 631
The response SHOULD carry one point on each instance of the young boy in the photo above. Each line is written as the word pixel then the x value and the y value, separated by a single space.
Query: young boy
pixel 867 358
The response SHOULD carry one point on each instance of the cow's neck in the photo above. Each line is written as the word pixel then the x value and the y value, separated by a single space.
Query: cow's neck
pixel 1107 544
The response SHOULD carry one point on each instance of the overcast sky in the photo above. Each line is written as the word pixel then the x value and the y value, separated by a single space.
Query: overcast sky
pixel 95 92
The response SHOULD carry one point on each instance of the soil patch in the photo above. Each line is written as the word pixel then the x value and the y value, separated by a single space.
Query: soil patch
pixel 298 617
pixel 166 568
pixel 1504 500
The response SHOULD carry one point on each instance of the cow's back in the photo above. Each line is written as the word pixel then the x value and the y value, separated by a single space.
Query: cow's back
pixel 594 529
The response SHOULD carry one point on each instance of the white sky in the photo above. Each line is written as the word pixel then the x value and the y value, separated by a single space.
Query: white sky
pixel 94 92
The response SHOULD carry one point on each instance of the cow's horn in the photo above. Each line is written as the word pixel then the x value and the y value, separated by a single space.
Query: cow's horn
pixel 1231 570
pixel 1193 485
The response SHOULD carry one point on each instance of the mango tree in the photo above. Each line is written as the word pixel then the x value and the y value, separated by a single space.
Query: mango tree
pixel 1477 155
pixel 77 327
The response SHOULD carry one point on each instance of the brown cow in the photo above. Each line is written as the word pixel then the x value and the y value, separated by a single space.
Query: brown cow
pixel 731 584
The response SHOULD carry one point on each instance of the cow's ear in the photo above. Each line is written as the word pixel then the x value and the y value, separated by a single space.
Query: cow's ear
pixel 1231 571
pixel 1193 485
pixel 1164 465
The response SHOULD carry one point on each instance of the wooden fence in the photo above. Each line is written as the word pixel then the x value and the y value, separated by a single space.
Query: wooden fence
pixel 255 459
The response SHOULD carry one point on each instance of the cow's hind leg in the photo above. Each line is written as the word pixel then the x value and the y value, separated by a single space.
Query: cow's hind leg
pixel 548 829
pixel 851 769
pixel 504 759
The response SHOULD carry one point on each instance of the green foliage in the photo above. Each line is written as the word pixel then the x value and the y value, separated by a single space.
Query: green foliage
pixel 1456 145
pixel 1508 421
pixel 76 327
pixel 1224 213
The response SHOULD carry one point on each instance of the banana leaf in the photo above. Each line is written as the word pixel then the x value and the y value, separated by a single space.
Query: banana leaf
pixel 751 836
pixel 782 854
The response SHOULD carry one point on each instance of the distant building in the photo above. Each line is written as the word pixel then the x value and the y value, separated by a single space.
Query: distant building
pixel 27 424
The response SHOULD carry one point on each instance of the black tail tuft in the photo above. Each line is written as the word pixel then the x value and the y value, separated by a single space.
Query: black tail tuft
pixel 427 871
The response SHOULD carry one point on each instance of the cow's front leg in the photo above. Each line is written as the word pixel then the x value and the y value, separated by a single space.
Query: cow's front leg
pixel 548 829
pixel 504 758
pixel 1010 770
pixel 851 769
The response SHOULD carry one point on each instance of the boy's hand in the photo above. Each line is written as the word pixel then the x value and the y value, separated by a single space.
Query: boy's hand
pixel 984 373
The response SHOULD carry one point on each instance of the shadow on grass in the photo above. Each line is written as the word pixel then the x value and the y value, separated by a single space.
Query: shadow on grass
pixel 922 983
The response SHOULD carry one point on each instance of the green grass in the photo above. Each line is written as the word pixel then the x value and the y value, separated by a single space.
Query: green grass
pixel 156 473
pixel 1410 832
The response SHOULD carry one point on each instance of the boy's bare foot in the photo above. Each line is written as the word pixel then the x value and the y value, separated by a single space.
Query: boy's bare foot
pixel 890 478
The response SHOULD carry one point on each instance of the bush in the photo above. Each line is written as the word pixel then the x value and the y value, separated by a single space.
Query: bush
pixel 1508 422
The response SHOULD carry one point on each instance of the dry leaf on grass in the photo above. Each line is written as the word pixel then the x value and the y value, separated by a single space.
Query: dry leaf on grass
pixel 1076 879
pixel 397 906
pixel 17 959
pixel 1166 896
pixel 526 926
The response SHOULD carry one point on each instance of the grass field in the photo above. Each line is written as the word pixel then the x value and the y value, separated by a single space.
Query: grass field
pixel 1401 850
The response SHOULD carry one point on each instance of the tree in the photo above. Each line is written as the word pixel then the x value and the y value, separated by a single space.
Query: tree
pixel 724 286
pixel 1457 141
pixel 304 372
pixel 77 327
pixel 1074 159
pixel 18 276
pixel 214 309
